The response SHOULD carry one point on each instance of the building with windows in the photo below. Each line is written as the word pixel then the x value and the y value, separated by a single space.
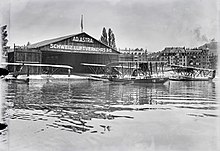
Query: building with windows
pixel 213 53
pixel 186 57
pixel 174 55
pixel 133 54
pixel 197 57
pixel 69 50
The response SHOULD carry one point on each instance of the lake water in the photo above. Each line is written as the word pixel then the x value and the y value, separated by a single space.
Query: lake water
pixel 86 115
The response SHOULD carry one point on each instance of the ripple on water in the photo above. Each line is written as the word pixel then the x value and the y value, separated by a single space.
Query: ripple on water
pixel 69 106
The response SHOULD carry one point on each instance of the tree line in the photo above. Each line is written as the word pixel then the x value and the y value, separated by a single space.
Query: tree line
pixel 4 39
pixel 108 38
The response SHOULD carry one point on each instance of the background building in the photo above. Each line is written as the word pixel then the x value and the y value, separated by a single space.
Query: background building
pixel 174 55
pixel 133 54
pixel 196 57
pixel 213 53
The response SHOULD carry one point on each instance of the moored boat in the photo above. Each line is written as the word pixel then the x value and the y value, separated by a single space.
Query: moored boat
pixel 151 80
pixel 119 79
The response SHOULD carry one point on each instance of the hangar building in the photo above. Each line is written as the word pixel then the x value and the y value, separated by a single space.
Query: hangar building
pixel 67 50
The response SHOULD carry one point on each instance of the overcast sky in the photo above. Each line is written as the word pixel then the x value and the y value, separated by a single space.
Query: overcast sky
pixel 148 24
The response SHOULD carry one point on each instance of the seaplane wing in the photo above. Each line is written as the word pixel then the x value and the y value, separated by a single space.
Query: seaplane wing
pixel 101 68
pixel 113 65
pixel 180 67
pixel 93 65
pixel 135 62
pixel 50 65
pixel 122 64
pixel 38 65
pixel 125 67
pixel 130 64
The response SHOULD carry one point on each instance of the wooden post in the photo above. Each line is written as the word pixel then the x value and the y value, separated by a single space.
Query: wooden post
pixel 69 71
pixel 151 68
pixel 28 71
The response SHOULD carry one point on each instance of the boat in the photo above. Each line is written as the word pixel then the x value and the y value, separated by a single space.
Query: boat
pixel 118 79
pixel 151 80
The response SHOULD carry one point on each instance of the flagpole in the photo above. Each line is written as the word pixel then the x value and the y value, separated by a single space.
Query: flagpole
pixel 81 23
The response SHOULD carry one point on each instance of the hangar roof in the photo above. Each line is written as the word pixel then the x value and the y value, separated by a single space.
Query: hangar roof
pixel 54 40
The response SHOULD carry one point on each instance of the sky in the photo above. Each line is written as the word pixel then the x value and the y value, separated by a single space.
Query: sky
pixel 147 24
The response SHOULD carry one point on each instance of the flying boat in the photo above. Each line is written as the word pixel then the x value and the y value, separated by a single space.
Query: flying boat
pixel 131 71
pixel 189 73
pixel 19 76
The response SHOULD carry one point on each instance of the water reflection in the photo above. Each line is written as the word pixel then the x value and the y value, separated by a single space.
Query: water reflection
pixel 68 105
pixel 3 118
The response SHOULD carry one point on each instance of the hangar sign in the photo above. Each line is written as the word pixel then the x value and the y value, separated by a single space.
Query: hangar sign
pixel 82 39
pixel 79 48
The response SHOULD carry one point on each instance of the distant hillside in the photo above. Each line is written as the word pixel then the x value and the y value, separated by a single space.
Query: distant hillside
pixel 213 46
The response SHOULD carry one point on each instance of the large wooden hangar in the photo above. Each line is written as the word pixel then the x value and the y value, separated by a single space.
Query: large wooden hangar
pixel 67 50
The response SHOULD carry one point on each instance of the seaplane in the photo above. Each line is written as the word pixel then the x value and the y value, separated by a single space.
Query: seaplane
pixel 19 76
pixel 131 71
pixel 189 73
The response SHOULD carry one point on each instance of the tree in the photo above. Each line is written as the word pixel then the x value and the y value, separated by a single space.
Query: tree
pixel 111 38
pixel 28 43
pixel 104 37
pixel 4 39
pixel 113 41
pixel 108 39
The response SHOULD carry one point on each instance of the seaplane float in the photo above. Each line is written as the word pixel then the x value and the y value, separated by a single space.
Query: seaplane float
pixel 21 77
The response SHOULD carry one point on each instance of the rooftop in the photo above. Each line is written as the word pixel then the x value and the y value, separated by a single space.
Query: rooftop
pixel 47 42
pixel 54 40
